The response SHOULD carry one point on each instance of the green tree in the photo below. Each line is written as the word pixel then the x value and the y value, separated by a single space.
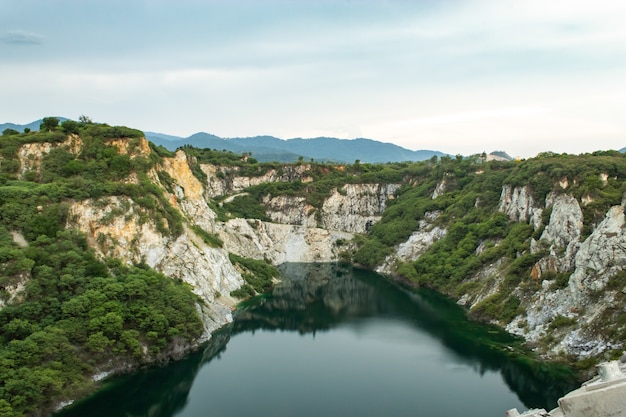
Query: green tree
pixel 49 124
pixel 70 126
pixel 10 132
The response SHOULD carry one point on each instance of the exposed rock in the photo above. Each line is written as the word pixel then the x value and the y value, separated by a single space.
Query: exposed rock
pixel 133 147
pixel 188 193
pixel 281 243
pixel 124 236
pixel 562 233
pixel 488 280
pixel 439 189
pixel 352 208
pixel 602 254
pixel 593 262
pixel 415 245
pixel 355 206
pixel 290 210
pixel 223 180
pixel 30 155
pixel 13 290
pixel 19 239
pixel 519 205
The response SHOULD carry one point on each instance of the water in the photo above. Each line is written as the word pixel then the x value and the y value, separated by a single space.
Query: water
pixel 335 341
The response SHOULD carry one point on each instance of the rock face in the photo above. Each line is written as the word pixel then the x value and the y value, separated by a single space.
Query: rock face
pixel 224 180
pixel 561 236
pixel 353 208
pixel 281 243
pixel 591 264
pixel 123 235
pixel 581 305
pixel 519 204
pixel 188 193
pixel 30 155
pixel 118 227
pixel 416 244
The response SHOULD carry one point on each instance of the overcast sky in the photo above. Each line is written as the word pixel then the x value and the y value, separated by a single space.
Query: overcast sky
pixel 459 76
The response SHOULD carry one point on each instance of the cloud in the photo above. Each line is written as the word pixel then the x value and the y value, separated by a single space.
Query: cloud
pixel 20 37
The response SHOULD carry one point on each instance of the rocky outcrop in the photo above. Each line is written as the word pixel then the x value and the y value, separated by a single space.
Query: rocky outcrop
pixel 561 237
pixel 519 205
pixel 416 244
pixel 439 189
pixel 224 180
pixel 280 243
pixel 131 147
pixel 30 155
pixel 355 207
pixel 115 228
pixel 352 208
pixel 188 193
pixel 585 301
pixel 290 210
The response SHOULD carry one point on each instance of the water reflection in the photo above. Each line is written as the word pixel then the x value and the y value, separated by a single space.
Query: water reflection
pixel 316 298
pixel 155 392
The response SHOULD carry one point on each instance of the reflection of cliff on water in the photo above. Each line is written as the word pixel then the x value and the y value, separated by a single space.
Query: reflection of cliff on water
pixel 156 392
pixel 317 297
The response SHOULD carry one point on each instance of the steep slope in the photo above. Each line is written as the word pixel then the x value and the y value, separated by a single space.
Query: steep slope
pixel 89 205
pixel 545 260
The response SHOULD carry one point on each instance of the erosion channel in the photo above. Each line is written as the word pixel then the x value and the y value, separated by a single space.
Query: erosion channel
pixel 335 341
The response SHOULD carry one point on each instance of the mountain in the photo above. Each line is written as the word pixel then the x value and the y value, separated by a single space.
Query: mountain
pixel 270 148
pixel 33 126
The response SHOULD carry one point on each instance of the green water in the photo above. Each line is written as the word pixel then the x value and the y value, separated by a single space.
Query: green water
pixel 336 341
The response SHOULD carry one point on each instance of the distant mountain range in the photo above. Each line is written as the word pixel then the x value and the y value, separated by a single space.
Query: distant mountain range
pixel 269 148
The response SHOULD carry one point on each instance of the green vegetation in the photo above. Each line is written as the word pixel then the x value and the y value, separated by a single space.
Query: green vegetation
pixel 210 239
pixel 325 177
pixel 95 172
pixel 258 275
pixel 477 234
pixel 561 321
pixel 76 313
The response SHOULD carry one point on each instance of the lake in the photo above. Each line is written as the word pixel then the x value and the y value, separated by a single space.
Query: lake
pixel 331 340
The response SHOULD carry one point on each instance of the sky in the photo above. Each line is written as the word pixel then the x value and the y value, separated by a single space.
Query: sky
pixel 458 76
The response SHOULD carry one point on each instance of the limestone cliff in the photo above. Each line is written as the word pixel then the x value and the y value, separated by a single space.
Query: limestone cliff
pixel 416 244
pixel 519 204
pixel 118 227
pixel 225 180
pixel 576 294
pixel 352 208
pixel 30 155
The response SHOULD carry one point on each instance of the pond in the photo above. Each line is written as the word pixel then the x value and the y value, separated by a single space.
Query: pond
pixel 332 340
